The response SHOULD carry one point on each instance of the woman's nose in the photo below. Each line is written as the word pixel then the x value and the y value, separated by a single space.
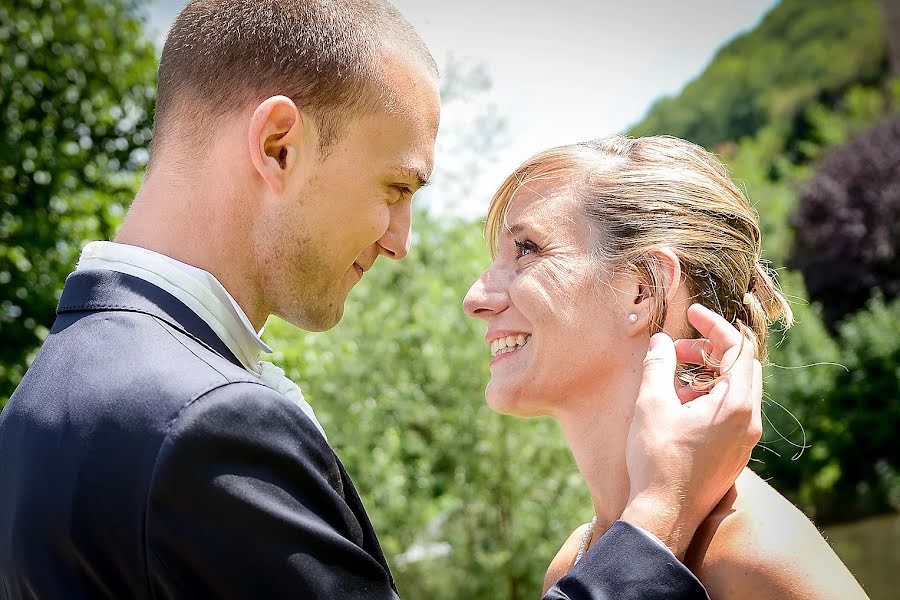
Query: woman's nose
pixel 485 298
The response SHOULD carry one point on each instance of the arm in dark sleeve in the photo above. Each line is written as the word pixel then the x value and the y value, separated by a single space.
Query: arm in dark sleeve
pixel 246 502
pixel 625 564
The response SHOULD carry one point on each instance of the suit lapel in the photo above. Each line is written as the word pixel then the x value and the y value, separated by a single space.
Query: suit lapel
pixel 101 290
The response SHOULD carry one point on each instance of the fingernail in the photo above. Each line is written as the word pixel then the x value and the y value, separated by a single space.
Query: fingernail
pixel 657 340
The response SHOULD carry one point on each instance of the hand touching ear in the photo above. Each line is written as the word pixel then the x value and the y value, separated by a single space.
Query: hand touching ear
pixel 683 457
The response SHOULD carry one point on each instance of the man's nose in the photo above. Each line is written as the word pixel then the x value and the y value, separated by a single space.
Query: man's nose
pixel 396 240
pixel 487 296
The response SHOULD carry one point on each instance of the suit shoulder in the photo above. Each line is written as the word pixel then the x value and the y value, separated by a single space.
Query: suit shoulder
pixel 252 416
pixel 147 347
pixel 200 355
pixel 244 434
pixel 121 371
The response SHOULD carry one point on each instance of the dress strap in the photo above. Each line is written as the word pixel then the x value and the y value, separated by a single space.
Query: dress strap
pixel 585 539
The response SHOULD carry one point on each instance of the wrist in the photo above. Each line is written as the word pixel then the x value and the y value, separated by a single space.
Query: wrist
pixel 666 521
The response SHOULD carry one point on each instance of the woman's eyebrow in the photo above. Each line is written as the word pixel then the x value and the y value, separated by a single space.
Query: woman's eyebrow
pixel 514 229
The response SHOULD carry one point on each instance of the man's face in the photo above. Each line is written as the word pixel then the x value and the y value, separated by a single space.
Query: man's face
pixel 351 206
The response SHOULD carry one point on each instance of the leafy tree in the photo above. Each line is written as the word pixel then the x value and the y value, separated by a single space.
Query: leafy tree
pixel 847 228
pixel 866 409
pixel 794 453
pixel 850 412
pixel 891 11
pixel 800 53
pixel 76 91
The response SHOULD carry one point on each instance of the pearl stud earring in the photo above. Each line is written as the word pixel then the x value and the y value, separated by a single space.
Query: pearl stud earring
pixel 632 318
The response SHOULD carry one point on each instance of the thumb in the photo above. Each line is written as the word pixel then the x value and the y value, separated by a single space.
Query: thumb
pixel 658 381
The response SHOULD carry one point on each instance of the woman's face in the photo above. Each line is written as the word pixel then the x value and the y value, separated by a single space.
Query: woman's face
pixel 557 322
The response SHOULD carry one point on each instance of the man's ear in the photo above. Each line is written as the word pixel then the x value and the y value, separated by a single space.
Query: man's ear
pixel 665 277
pixel 276 137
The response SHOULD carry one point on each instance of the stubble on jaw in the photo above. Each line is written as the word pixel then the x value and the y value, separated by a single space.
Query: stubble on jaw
pixel 309 298
pixel 294 279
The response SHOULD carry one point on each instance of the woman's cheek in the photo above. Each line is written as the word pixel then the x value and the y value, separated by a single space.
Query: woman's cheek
pixel 559 279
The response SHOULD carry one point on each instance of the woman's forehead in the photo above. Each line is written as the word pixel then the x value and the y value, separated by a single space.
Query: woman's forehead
pixel 543 203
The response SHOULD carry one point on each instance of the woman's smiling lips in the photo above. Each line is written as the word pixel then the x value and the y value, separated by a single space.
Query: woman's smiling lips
pixel 504 342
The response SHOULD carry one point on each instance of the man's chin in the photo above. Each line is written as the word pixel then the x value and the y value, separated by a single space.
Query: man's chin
pixel 321 318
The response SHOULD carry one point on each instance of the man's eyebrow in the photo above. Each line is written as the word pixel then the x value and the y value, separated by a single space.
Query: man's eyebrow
pixel 412 174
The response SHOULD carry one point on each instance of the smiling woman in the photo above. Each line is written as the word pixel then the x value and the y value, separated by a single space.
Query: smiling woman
pixel 597 247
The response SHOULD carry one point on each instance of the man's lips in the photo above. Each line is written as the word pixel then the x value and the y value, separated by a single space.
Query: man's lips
pixel 362 267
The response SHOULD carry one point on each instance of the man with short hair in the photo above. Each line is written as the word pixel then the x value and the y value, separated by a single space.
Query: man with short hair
pixel 149 453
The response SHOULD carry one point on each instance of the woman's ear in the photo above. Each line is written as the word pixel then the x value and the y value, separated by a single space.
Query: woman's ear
pixel 275 138
pixel 663 276
pixel 670 269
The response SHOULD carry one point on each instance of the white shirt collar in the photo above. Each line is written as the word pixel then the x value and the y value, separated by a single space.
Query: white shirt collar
pixel 200 291
pixel 196 288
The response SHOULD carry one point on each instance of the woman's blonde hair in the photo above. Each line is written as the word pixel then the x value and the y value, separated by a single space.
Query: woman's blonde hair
pixel 647 193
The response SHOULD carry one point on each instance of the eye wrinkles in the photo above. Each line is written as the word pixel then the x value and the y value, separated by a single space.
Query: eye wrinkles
pixel 523 246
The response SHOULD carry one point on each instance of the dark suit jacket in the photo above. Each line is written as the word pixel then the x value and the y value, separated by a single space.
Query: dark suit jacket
pixel 138 459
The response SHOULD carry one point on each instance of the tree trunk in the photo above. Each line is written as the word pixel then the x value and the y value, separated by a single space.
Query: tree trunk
pixel 891 11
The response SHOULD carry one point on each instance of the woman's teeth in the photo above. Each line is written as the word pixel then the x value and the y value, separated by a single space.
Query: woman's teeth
pixel 508 344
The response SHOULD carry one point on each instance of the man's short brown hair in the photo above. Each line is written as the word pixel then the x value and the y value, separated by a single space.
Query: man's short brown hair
pixel 220 55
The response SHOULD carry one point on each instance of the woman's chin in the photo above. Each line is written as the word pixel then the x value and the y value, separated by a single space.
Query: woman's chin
pixel 510 403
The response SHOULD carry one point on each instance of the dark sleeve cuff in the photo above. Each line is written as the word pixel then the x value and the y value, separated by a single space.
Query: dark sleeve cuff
pixel 627 564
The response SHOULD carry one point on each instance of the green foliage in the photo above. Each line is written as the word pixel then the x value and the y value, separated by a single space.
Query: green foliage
pixel 847 240
pixel 799 54
pixel 866 398
pixel 807 380
pixel 803 363
pixel 76 93
pixel 399 386
pixel 832 412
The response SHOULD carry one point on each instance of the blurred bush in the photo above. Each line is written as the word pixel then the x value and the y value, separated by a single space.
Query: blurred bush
pixel 832 409
pixel 847 241
pixel 77 83
pixel 804 111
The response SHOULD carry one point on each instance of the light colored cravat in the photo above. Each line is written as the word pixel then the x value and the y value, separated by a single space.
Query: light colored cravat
pixel 200 291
